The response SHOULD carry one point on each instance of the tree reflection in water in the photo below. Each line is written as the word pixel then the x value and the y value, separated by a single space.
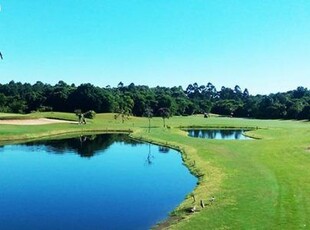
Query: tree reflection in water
pixel 150 157
pixel 163 149
pixel 83 145
pixel 217 134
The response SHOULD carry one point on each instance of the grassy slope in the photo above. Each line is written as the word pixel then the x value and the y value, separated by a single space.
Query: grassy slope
pixel 258 184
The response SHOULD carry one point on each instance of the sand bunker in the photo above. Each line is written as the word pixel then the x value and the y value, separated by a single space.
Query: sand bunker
pixel 40 121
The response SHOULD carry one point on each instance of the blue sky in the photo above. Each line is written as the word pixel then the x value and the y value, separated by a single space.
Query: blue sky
pixel 262 45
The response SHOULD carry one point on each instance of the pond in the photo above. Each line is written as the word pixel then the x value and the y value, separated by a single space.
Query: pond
pixel 223 134
pixel 90 182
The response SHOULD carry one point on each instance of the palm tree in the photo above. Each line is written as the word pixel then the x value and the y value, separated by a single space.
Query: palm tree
pixel 164 113
pixel 149 114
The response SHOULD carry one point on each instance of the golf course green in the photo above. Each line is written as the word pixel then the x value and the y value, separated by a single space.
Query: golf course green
pixel 243 184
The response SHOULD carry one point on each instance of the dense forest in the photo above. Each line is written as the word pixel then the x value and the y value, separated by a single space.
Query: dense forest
pixel 140 100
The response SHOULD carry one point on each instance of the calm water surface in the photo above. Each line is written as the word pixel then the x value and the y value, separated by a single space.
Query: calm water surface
pixel 218 134
pixel 97 182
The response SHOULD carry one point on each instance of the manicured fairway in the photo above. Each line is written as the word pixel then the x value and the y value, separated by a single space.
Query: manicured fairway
pixel 257 184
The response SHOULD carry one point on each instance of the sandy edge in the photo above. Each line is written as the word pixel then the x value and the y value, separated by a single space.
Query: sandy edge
pixel 40 121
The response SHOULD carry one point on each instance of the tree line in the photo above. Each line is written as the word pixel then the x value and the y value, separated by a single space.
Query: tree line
pixel 141 100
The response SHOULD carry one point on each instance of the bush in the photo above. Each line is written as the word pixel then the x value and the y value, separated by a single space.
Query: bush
pixel 91 114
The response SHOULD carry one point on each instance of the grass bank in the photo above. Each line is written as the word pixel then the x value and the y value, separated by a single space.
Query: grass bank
pixel 257 184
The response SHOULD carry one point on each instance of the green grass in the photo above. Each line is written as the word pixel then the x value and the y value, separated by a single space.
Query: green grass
pixel 257 184
pixel 36 115
pixel 9 116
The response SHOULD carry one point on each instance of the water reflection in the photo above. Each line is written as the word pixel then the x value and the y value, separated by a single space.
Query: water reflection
pixel 83 145
pixel 114 190
pixel 150 157
pixel 163 149
pixel 218 134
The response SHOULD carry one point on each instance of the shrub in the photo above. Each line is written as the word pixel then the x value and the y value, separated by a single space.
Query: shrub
pixel 91 114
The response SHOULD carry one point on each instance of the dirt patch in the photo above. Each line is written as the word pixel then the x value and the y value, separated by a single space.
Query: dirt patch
pixel 40 121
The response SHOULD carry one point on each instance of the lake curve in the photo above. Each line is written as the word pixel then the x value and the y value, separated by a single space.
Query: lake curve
pixel 99 182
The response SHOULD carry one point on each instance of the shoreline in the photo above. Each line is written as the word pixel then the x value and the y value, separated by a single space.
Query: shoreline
pixel 181 209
